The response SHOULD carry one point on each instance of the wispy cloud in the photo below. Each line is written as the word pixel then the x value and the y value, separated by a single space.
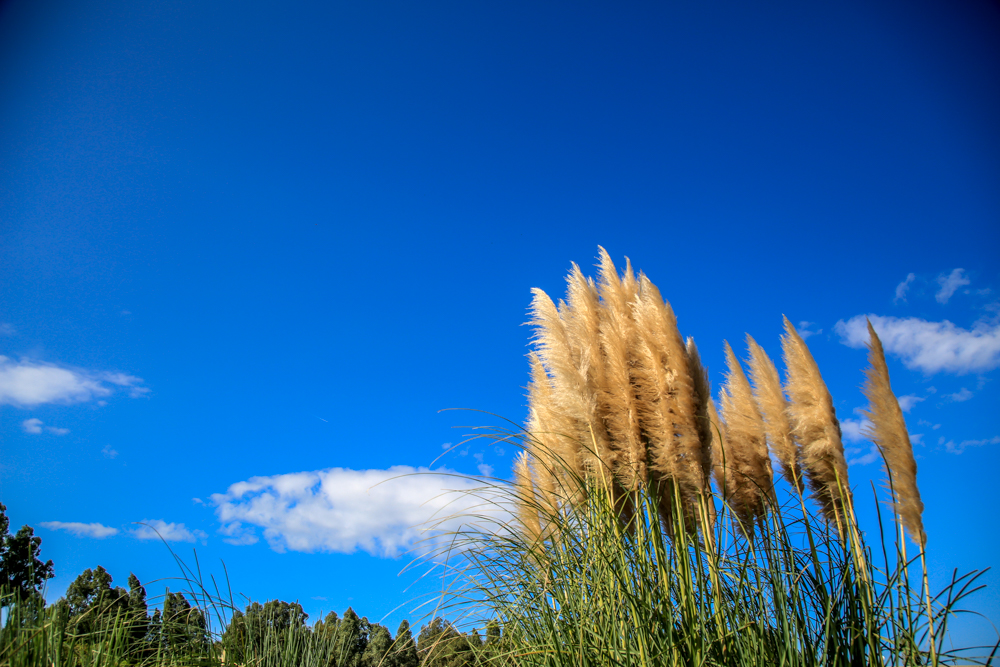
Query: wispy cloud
pixel 965 444
pixel 903 287
pixel 156 529
pixel 949 284
pixel 27 383
pixel 36 426
pixel 382 512
pixel 931 347
pixel 853 430
pixel 95 530
pixel 805 329
pixel 7 329
pixel 907 402
pixel 109 453
pixel 959 396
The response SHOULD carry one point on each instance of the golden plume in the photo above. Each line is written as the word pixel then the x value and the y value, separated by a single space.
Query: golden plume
pixel 815 427
pixel 774 409
pixel 748 467
pixel 888 432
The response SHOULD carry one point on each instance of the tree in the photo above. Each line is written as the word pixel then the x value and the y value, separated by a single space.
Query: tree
pixel 138 612
pixel 379 643
pixel 92 603
pixel 22 573
pixel 352 639
pixel 404 649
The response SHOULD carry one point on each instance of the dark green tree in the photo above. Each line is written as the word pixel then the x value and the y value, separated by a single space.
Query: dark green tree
pixel 138 612
pixel 183 630
pixel 404 649
pixel 352 639
pixel 93 603
pixel 22 573
pixel 379 643
pixel 441 645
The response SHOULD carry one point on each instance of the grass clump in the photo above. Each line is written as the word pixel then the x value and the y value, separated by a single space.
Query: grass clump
pixel 619 550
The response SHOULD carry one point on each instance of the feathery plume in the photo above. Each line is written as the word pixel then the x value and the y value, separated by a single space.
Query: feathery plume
pixel 552 440
pixel 720 449
pixel 667 401
pixel 888 432
pixel 582 317
pixel 774 409
pixel 749 475
pixel 527 499
pixel 815 427
pixel 618 338
pixel 703 391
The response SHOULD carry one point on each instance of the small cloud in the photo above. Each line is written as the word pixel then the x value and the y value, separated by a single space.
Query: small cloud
pixel 108 452
pixel 499 451
pixel 94 530
pixel 198 501
pixel 907 402
pixel 924 422
pixel 959 396
pixel 965 444
pixel 126 312
pixel 33 426
pixel 7 329
pixel 319 597
pixel 805 331
pixel 26 383
pixel 949 284
pixel 916 438
pixel 903 287
pixel 853 430
pixel 157 529
pixel 932 347
pixel 872 456
pixel 238 534
pixel 485 470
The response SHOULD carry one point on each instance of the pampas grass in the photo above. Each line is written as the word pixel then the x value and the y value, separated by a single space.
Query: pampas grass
pixel 816 429
pixel 774 410
pixel 749 479
pixel 888 432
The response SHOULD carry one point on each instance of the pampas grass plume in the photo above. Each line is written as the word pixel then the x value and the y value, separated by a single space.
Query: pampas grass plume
pixel 888 432
pixel 774 409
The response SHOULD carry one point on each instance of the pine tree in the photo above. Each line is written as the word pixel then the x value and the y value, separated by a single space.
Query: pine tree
pixel 379 643
pixel 404 649
pixel 21 571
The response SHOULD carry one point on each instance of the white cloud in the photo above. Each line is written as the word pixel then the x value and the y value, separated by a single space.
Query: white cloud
pixel 805 331
pixel 485 469
pixel 109 453
pixel 32 425
pixel 156 529
pixel 962 446
pixel 959 396
pixel 7 329
pixel 856 458
pixel 382 512
pixel 907 402
pixel 931 347
pixel 903 287
pixel 949 284
pixel 26 383
pixel 35 427
pixel 916 438
pixel 94 530
pixel 853 430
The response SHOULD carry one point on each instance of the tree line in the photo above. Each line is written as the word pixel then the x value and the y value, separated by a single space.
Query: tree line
pixel 275 632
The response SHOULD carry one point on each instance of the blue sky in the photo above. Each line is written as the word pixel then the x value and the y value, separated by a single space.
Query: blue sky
pixel 263 245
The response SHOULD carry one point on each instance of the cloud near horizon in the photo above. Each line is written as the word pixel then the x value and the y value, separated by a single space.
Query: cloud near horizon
pixel 95 530
pixel 931 347
pixel 27 383
pixel 158 529
pixel 381 512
